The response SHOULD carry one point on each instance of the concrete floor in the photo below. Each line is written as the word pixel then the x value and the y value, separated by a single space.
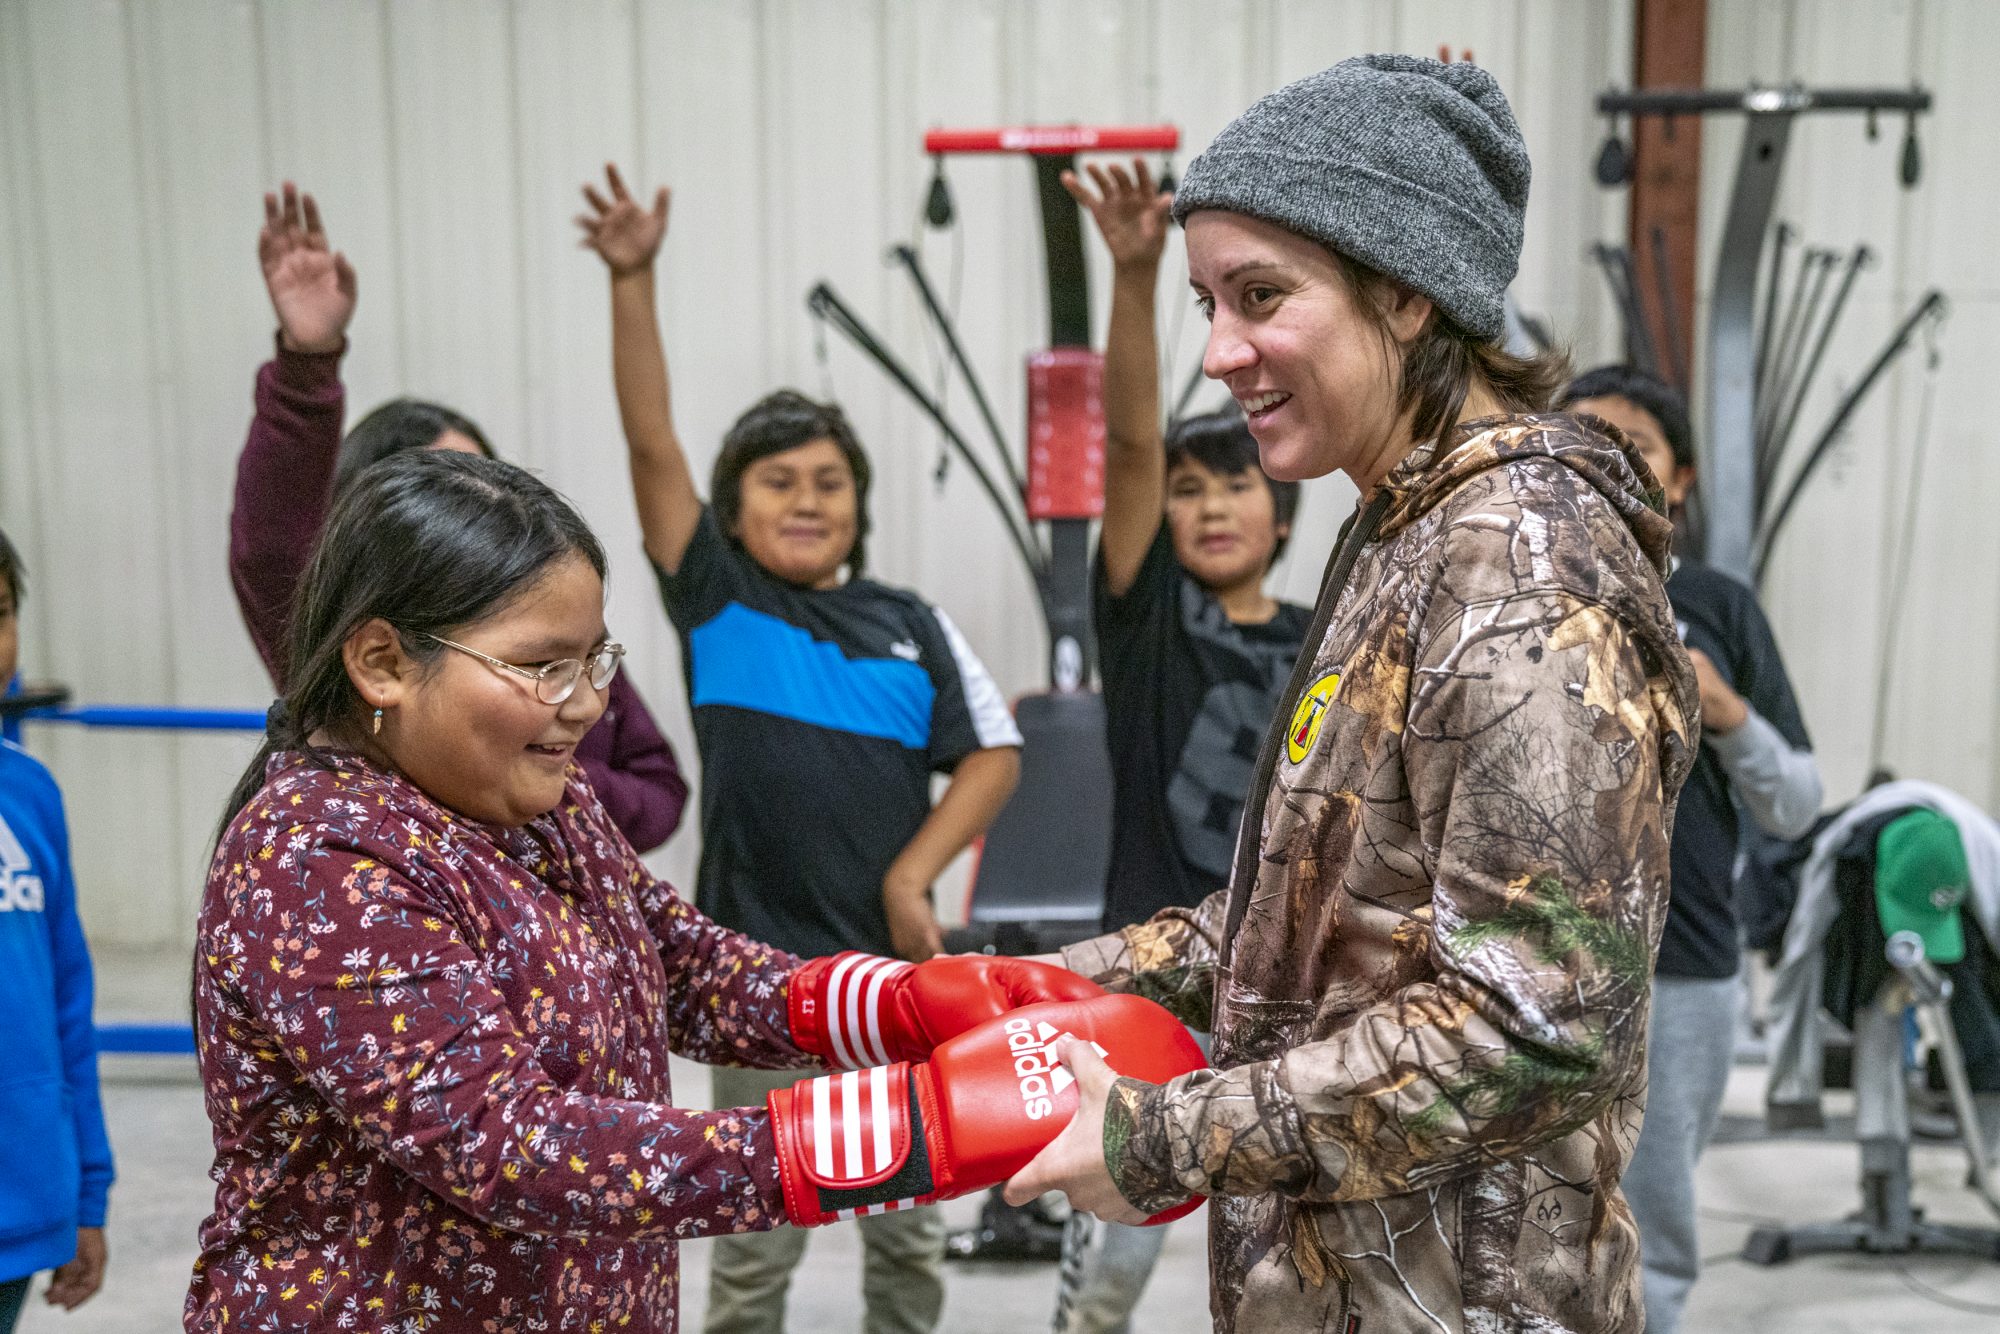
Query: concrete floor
pixel 161 1137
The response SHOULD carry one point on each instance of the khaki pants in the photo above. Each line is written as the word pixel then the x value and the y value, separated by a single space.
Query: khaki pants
pixel 902 1285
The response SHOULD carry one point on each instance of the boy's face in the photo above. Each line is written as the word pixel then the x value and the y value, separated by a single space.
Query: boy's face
pixel 1644 430
pixel 10 634
pixel 1224 525
pixel 799 513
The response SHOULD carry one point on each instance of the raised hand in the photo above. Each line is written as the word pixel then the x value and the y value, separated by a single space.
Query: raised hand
pixel 625 234
pixel 312 288
pixel 1129 209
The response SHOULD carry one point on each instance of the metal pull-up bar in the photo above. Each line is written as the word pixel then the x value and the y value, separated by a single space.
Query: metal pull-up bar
pixel 1043 140
pixel 1760 101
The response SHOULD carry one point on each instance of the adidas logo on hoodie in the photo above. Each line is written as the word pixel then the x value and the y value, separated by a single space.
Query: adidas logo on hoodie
pixel 20 889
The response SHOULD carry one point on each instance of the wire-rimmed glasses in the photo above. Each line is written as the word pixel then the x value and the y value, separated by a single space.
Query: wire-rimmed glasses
pixel 555 681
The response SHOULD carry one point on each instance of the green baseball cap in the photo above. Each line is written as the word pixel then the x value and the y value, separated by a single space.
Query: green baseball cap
pixel 1921 878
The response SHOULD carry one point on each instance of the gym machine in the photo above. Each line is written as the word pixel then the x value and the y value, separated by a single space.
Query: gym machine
pixel 1040 877
pixel 1887 1222
pixel 1757 383
pixel 1039 882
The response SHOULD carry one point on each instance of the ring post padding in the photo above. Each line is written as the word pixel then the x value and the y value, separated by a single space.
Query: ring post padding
pixel 146 1039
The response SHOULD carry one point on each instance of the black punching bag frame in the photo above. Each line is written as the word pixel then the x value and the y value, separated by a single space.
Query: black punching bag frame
pixel 1728 481
pixel 1059 565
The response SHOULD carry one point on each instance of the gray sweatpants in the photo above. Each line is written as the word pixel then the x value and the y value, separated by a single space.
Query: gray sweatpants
pixel 1688 1051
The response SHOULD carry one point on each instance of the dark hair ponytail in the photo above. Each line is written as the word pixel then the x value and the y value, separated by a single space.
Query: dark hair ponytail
pixel 428 541
pixel 400 425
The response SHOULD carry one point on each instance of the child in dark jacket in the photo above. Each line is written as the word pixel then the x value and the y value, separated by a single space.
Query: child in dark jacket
pixel 295 462
pixel 55 1160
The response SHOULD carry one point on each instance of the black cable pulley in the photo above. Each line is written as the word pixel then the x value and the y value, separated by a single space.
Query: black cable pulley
pixel 1167 181
pixel 937 205
pixel 1614 160
pixel 1912 167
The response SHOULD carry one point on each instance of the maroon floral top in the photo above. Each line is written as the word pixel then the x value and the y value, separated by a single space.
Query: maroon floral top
pixel 434 1054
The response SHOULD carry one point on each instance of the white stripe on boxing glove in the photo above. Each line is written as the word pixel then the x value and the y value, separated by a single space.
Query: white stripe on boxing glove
pixel 854 1000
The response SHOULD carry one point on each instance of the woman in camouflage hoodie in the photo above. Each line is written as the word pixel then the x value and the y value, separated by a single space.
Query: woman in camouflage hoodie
pixel 1428 981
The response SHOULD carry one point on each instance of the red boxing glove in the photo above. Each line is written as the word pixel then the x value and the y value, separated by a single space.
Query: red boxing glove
pixel 865 1142
pixel 856 1010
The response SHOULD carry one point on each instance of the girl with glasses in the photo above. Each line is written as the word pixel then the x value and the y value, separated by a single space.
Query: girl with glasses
pixel 435 990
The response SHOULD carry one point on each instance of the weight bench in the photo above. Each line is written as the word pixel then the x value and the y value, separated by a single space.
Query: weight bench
pixel 1039 881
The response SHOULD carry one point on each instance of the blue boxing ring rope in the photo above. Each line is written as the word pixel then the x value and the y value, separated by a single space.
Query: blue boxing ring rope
pixel 125 1039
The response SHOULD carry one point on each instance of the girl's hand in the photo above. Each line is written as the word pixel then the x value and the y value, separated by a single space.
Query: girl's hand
pixel 312 289
pixel 1130 211
pixel 625 235
pixel 1073 1162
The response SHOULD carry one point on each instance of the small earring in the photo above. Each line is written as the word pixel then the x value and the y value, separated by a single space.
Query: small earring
pixel 377 731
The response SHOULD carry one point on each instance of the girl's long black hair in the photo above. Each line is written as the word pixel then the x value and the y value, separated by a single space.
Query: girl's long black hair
pixel 429 541
pixel 398 425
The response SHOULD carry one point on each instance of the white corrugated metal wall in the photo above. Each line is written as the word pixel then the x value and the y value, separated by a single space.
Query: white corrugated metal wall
pixel 446 139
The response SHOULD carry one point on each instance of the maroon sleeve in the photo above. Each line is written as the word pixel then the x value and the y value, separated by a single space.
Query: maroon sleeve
pixel 728 996
pixel 633 769
pixel 284 484
pixel 393 1020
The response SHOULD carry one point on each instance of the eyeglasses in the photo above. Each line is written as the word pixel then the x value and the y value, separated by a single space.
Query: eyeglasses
pixel 554 681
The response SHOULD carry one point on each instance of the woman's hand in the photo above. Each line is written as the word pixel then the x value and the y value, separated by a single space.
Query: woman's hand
pixel 1073 1162
pixel 1130 211
pixel 312 289
pixel 623 233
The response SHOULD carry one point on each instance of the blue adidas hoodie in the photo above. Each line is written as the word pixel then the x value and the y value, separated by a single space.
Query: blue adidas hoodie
pixel 55 1161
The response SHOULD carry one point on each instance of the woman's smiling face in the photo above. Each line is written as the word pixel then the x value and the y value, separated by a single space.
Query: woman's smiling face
pixel 1315 372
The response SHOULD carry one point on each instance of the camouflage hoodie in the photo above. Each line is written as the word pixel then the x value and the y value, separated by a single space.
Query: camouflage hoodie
pixel 1430 1022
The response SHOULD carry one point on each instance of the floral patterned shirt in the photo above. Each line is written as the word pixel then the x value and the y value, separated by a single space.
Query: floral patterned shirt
pixel 434 1054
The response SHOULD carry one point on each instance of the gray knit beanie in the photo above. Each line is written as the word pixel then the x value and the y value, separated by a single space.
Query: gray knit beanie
pixel 1412 166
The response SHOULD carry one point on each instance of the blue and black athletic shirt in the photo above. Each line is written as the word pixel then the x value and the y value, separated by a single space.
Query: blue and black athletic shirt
pixel 820 715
